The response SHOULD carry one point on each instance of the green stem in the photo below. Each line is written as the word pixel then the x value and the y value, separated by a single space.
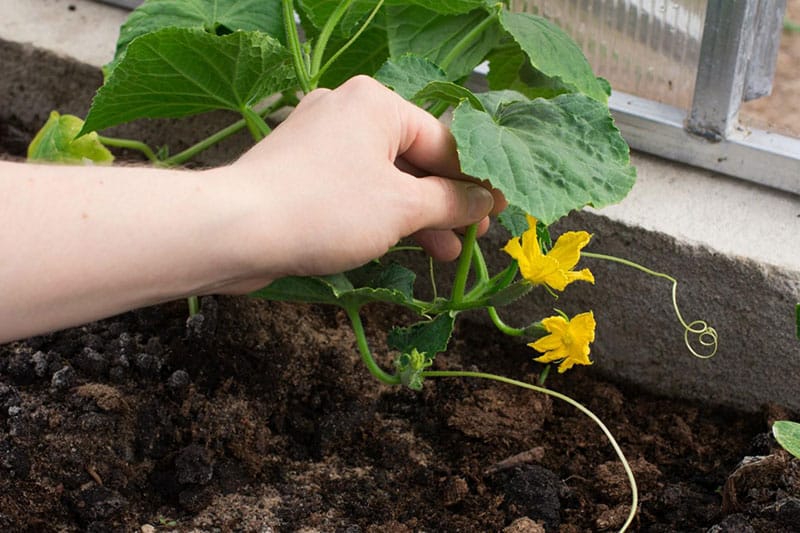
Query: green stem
pixel 468 40
pixel 293 40
pixel 194 305
pixel 325 35
pixel 130 144
pixel 438 109
pixel 543 376
pixel 206 143
pixel 502 326
pixel 185 155
pixel 464 262
pixel 577 405
pixel 317 74
pixel 363 348
pixel 707 336
pixel 257 126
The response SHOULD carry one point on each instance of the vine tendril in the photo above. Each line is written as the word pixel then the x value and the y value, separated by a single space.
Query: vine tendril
pixel 706 335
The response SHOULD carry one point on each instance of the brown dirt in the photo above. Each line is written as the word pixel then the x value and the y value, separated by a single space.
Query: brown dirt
pixel 259 416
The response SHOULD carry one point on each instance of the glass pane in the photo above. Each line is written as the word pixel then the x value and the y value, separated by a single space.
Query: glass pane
pixel 780 112
pixel 649 48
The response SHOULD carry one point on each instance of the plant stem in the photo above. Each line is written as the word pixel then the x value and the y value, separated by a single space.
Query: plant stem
pixel 185 155
pixel 206 143
pixel 130 144
pixel 293 40
pixel 468 40
pixel 258 128
pixel 363 348
pixel 194 305
pixel 317 74
pixel 325 35
pixel 577 405
pixel 464 262
pixel 502 326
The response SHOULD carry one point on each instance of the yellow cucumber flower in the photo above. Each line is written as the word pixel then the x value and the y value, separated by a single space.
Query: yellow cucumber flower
pixel 553 269
pixel 567 342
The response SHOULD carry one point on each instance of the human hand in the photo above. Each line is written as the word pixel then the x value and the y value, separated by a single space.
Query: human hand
pixel 345 177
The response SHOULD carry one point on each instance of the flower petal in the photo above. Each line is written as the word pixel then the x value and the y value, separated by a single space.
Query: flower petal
pixel 567 248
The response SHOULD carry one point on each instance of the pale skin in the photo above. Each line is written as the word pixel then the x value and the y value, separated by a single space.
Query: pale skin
pixel 322 194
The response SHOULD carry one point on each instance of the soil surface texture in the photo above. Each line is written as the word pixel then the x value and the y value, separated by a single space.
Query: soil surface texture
pixel 258 416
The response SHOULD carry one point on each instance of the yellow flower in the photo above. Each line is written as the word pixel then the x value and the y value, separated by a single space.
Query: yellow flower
pixel 568 341
pixel 553 269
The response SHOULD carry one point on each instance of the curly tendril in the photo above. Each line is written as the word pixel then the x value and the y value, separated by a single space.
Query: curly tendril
pixel 706 336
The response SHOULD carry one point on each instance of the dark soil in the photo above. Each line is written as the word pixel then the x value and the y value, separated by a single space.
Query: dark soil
pixel 257 416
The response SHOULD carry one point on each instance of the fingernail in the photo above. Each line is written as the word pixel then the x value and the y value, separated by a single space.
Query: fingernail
pixel 480 202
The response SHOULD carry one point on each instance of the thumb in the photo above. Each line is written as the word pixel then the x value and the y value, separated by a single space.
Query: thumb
pixel 449 204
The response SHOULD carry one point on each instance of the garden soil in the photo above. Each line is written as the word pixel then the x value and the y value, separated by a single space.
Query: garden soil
pixel 256 416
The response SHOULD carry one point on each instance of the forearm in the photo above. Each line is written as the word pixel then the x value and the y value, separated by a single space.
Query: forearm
pixel 81 243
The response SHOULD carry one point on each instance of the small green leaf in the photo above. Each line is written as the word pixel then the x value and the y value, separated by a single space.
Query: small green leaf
pixel 788 435
pixel 408 74
pixel 410 366
pixel 553 53
pixel 797 319
pixel 416 30
pixel 547 156
pixel 513 219
pixel 177 72
pixel 447 91
pixel 212 16
pixel 372 282
pixel 510 68
pixel 430 337
pixel 56 142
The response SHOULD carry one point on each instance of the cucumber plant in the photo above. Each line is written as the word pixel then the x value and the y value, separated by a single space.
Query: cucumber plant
pixel 542 134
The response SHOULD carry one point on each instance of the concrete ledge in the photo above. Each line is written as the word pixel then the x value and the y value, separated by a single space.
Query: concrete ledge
pixel 734 246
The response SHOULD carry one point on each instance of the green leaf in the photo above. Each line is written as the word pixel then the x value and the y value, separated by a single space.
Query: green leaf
pixel 372 282
pixel 788 435
pixel 443 7
pixel 56 142
pixel 553 53
pixel 317 12
pixel 429 337
pixel 492 101
pixel 547 156
pixel 447 91
pixel 365 55
pixel 420 31
pixel 177 72
pixel 213 16
pixel 510 68
pixel 408 74
pixel 513 219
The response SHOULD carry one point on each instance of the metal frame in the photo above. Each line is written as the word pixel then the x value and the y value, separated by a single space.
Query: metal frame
pixel 737 63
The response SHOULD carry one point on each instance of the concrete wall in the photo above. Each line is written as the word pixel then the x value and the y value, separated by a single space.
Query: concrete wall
pixel 734 246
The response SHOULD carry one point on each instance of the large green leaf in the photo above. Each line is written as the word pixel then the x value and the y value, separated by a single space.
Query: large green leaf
pixel 56 142
pixel 788 435
pixel 553 53
pixel 177 72
pixel 420 31
pixel 317 12
pixel 408 74
pixel 372 282
pixel 213 16
pixel 364 56
pixel 429 337
pixel 444 7
pixel 547 156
